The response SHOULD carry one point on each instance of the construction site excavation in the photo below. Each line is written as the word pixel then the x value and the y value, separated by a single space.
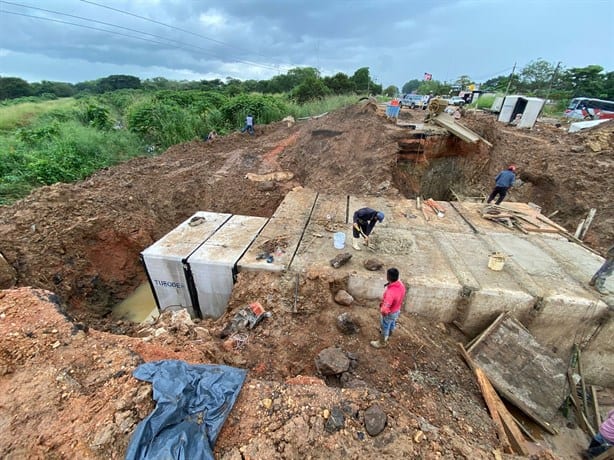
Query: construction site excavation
pixel 242 251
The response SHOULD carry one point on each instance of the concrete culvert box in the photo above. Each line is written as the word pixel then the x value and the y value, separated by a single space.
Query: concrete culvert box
pixel 213 266
pixel 164 260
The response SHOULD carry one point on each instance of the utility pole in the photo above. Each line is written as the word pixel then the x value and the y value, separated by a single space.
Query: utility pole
pixel 510 82
pixel 556 69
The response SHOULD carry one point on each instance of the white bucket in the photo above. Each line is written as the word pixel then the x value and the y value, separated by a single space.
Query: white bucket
pixel 339 240
pixel 496 261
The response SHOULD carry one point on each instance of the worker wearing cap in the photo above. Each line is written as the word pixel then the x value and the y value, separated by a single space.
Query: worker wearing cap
pixel 364 221
pixel 504 180
pixel 598 279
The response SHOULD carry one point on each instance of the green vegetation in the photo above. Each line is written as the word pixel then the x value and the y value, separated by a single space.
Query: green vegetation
pixel 17 115
pixel 44 140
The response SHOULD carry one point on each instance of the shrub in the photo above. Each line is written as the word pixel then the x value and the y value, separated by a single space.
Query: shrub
pixel 264 109
pixel 164 124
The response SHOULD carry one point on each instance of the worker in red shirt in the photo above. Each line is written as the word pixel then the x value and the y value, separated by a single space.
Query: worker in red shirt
pixel 390 307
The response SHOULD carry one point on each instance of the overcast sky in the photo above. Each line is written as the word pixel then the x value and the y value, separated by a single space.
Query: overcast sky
pixel 398 40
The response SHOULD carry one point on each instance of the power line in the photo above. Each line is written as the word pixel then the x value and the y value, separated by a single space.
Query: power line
pixel 219 42
pixel 127 35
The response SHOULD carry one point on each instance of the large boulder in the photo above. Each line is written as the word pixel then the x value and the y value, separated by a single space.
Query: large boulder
pixel 344 298
pixel 332 361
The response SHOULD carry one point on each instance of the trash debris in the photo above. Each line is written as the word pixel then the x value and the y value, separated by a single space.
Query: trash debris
pixel 437 209
pixel 196 220
pixel 246 318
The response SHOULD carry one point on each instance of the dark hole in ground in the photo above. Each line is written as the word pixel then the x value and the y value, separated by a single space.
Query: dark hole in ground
pixel 325 133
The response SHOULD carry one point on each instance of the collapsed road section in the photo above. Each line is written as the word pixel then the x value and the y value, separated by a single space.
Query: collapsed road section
pixel 445 258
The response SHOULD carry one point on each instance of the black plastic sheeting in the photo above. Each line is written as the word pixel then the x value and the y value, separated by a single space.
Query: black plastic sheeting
pixel 193 402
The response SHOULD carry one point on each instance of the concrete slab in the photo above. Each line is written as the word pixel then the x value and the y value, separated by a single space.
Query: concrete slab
pixel 486 293
pixel 297 205
pixel 564 320
pixel 433 287
pixel 578 262
pixel 280 237
pixel 521 369
pixel 329 208
pixel 597 356
pixel 212 266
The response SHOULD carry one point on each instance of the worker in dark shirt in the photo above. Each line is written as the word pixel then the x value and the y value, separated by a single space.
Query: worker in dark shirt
pixel 504 180
pixel 364 221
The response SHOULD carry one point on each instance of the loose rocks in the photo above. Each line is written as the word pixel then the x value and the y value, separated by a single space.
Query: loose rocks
pixel 332 361
pixel 375 420
pixel 343 298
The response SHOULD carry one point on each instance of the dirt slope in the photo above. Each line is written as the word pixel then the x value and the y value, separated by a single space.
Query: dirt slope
pixel 65 383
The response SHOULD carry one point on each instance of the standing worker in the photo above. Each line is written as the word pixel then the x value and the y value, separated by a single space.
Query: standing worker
pixel 603 440
pixel 390 307
pixel 598 279
pixel 364 221
pixel 504 180
pixel 249 125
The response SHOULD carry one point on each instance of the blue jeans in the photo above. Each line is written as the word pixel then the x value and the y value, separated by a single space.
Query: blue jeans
pixel 249 129
pixel 604 271
pixel 598 445
pixel 388 323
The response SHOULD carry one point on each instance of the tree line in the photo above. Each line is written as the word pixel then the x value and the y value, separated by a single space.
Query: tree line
pixel 538 78
pixel 302 83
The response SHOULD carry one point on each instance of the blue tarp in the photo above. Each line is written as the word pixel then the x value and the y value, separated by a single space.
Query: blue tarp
pixel 193 402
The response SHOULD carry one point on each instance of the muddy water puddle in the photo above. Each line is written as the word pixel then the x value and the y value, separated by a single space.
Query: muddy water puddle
pixel 140 306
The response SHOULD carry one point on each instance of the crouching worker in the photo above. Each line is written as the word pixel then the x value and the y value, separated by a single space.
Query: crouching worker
pixel 364 220
pixel 603 440
pixel 390 307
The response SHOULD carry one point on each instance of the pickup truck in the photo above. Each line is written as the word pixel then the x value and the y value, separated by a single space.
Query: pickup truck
pixel 456 100
pixel 412 101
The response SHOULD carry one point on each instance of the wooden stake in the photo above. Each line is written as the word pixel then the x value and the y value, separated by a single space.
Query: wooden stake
pixel 582 421
pixel 490 403
pixel 588 222
pixel 596 406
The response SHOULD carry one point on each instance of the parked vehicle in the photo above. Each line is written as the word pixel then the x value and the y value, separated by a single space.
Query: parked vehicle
pixel 412 101
pixel 584 108
pixel 456 100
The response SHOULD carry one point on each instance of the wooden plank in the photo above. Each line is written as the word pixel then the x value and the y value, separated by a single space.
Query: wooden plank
pixel 505 417
pixel 607 455
pixel 490 403
pixel 582 421
pixel 459 209
pixel 487 331
pixel 508 421
pixel 582 382
pixel 595 406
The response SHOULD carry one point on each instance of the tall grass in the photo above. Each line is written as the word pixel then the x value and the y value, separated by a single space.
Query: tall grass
pixel 19 115
pixel 320 106
pixel 68 152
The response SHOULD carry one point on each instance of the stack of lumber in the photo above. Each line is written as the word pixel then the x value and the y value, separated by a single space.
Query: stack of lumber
pixel 525 222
